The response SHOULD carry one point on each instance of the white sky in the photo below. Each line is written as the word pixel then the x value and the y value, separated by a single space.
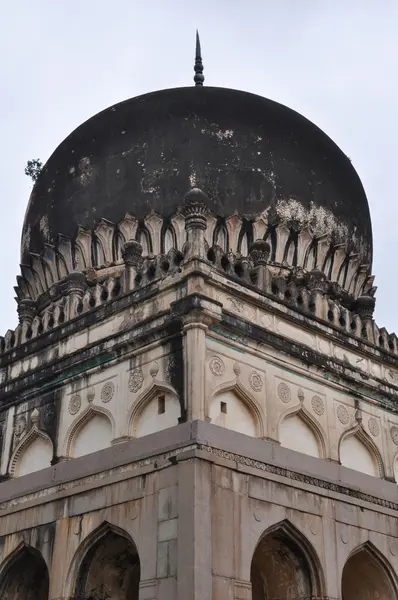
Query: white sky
pixel 335 62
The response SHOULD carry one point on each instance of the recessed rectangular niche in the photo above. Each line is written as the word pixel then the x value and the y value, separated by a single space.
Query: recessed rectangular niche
pixel 223 407
pixel 161 405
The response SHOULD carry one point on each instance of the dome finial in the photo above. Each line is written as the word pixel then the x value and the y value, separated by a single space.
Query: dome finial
pixel 199 77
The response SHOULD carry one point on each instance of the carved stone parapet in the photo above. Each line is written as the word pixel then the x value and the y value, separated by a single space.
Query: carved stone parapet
pixel 132 252
pixel 365 306
pixel 259 252
pixel 316 281
pixel 75 284
pixel 27 311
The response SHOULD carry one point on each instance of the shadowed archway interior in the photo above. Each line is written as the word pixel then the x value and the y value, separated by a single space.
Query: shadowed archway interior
pixel 365 578
pixel 280 570
pixel 26 577
pixel 110 570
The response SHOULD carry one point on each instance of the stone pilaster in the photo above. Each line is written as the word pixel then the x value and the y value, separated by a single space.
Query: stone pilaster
pixel 365 306
pixel 131 253
pixel 194 561
pixel 317 284
pixel 196 314
pixel 195 213
pixel 195 328
pixel 75 286
pixel 259 253
pixel 26 312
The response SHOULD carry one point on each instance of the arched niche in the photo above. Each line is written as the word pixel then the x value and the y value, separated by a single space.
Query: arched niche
pixel 298 431
pixel 285 567
pixel 233 407
pixel 367 575
pixel 33 453
pixel 358 452
pixel 110 567
pixel 24 576
pixel 93 431
pixel 143 238
pixel 220 237
pixel 156 409
pixel 168 239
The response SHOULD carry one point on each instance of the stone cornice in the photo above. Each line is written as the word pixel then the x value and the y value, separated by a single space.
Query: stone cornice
pixel 200 440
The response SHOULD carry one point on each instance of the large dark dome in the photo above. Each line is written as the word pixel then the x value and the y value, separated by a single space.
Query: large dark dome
pixel 245 152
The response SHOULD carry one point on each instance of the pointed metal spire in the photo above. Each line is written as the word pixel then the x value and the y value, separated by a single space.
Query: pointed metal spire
pixel 199 77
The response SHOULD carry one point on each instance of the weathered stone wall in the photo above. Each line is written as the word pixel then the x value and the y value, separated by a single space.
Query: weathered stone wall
pixel 198 512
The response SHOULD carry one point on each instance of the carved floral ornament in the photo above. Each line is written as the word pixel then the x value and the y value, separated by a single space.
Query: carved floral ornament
pixel 255 381
pixel 74 404
pixel 217 366
pixel 20 426
pixel 374 426
pixel 284 392
pixel 136 379
pixel 343 414
pixel 394 434
pixel 107 392
pixel 317 405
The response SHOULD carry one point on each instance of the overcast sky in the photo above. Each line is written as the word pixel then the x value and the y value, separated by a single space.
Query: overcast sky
pixel 336 62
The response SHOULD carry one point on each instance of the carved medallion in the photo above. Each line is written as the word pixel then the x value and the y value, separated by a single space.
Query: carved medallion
pixel 217 366
pixel 394 434
pixel 342 414
pixel 255 381
pixel 107 392
pixel 317 405
pixel 374 426
pixel 284 392
pixel 74 404
pixel 20 426
pixel 136 380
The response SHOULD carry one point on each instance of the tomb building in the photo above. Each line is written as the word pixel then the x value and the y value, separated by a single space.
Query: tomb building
pixel 197 402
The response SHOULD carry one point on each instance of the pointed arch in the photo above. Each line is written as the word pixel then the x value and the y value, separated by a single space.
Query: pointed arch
pixel 33 434
pixel 82 420
pixel 290 251
pixel 76 579
pixel 117 244
pixel 310 258
pixel 168 238
pixel 221 237
pixel 368 574
pixel 245 238
pixel 312 424
pixel 24 574
pixel 251 404
pixel 143 237
pixel 359 433
pixel 294 570
pixel 166 419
